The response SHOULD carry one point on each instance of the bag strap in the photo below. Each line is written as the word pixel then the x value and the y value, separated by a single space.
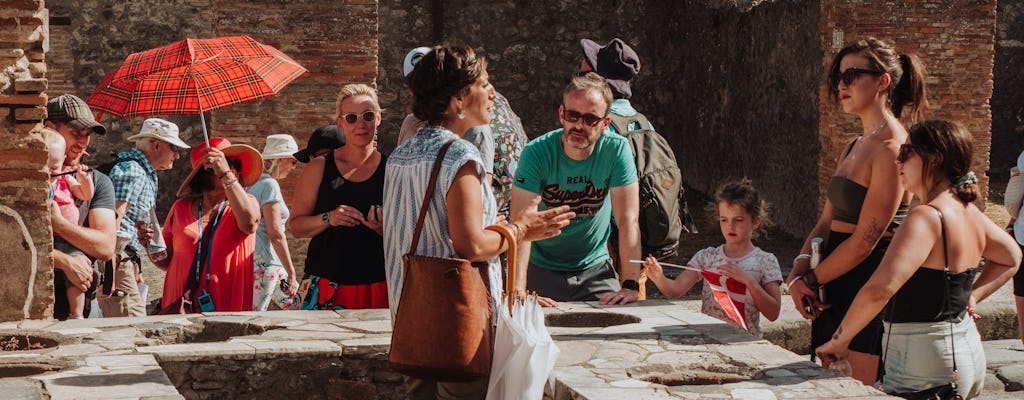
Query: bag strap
pixel 949 294
pixel 948 306
pixel 429 194
pixel 510 281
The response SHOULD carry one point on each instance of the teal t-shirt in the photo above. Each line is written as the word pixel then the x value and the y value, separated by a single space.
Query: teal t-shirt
pixel 582 185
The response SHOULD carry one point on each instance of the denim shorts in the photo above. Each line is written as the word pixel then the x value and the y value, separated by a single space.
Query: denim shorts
pixel 920 357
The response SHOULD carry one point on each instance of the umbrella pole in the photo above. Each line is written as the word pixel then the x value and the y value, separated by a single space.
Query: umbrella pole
pixel 199 100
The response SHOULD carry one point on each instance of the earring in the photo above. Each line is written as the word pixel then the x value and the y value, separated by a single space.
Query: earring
pixel 462 113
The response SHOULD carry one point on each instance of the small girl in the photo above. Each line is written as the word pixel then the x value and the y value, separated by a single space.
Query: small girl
pixel 741 214
pixel 64 188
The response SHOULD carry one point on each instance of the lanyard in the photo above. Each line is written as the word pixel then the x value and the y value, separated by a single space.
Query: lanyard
pixel 198 264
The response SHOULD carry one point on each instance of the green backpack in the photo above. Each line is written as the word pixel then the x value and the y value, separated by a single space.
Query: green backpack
pixel 663 210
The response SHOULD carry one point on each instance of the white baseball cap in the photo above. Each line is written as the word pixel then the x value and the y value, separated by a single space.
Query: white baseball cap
pixel 157 128
pixel 279 146
pixel 412 58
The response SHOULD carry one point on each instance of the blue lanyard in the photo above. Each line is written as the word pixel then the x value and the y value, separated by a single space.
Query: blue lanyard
pixel 199 247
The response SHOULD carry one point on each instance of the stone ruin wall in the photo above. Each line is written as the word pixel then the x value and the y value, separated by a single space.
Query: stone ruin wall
pixel 955 39
pixel 1007 96
pixel 25 235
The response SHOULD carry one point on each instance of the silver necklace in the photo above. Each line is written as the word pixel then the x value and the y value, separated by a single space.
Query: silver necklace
pixel 879 128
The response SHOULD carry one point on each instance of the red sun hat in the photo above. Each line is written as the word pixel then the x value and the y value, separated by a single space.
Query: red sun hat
pixel 252 162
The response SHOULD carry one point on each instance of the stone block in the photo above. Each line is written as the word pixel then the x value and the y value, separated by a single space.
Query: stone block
pixel 21 389
pixel 27 5
pixel 37 113
pixel 27 128
pixel 37 69
pixel 1012 377
pixel 12 53
pixel 308 348
pixel 24 99
pixel 18 175
pixel 16 244
pixel 30 85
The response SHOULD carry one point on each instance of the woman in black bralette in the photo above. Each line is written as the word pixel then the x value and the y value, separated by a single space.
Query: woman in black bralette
pixel 925 325
pixel 865 200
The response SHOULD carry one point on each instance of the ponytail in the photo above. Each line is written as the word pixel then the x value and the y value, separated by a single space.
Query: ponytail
pixel 910 88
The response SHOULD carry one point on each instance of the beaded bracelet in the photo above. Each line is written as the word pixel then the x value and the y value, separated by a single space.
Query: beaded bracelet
pixel 229 183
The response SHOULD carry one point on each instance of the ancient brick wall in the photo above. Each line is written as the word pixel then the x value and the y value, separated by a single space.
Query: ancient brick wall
pixel 25 235
pixel 1008 89
pixel 955 40
pixel 336 41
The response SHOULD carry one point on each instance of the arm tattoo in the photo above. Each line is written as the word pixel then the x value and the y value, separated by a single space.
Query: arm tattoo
pixel 874 232
pixel 839 331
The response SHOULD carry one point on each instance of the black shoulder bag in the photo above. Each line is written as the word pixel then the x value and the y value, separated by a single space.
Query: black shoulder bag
pixel 947 391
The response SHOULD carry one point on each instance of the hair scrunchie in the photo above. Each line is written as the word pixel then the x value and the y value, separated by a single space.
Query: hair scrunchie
pixel 967 179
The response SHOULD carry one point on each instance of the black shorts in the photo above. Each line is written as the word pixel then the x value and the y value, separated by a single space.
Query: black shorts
pixel 840 294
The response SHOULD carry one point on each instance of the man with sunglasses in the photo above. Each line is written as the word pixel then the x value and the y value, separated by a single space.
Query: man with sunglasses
pixel 133 174
pixel 590 169
pixel 94 233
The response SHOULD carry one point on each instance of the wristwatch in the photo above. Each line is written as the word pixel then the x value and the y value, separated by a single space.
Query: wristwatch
pixel 631 285
pixel 327 218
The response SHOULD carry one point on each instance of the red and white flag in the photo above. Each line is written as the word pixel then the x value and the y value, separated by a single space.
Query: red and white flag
pixel 730 294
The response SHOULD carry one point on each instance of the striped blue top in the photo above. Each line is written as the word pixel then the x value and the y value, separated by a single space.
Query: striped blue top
pixel 405 183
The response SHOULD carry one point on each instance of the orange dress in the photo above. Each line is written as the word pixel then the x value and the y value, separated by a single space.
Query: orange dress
pixel 231 258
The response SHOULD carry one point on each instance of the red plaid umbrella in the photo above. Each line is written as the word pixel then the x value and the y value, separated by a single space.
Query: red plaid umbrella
pixel 194 76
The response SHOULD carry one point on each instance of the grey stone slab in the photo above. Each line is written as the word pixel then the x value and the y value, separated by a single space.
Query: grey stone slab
pixel 752 394
pixel 199 351
pixel 21 389
pixel 36 324
pixel 92 382
pixel 76 331
pixel 76 350
pixel 280 334
pixel 376 326
pixel 1003 352
pixel 306 348
pixel 320 327
pixel 1012 377
pixel 130 361
pixel 373 314
pixel 366 345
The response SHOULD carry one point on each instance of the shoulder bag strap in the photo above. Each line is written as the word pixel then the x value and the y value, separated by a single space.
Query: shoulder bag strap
pixel 949 305
pixel 949 294
pixel 429 194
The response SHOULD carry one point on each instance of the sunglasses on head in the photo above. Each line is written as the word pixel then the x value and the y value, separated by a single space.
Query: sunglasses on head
pixel 851 74
pixel 574 117
pixel 905 150
pixel 353 117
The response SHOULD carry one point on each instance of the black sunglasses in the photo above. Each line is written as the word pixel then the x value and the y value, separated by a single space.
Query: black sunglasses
pixel 851 74
pixel 904 153
pixel 574 117
pixel 353 117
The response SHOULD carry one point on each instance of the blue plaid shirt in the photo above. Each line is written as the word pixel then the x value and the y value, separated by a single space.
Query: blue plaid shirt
pixel 135 183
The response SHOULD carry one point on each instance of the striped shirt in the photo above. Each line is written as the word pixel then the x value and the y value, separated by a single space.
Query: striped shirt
pixel 405 183
pixel 134 183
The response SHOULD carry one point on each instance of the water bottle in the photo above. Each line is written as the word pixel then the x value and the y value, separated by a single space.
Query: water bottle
pixel 156 248
pixel 815 259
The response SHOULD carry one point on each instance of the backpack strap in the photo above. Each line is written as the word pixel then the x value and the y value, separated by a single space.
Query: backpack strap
pixel 621 123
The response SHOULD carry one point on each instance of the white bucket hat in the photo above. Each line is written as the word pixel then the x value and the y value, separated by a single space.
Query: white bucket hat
pixel 280 146
pixel 157 128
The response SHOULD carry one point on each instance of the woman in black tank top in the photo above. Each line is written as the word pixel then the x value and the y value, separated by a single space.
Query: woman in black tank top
pixel 928 270
pixel 337 204
pixel 870 79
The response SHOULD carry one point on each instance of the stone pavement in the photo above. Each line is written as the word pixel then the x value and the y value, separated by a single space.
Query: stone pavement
pixel 654 350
